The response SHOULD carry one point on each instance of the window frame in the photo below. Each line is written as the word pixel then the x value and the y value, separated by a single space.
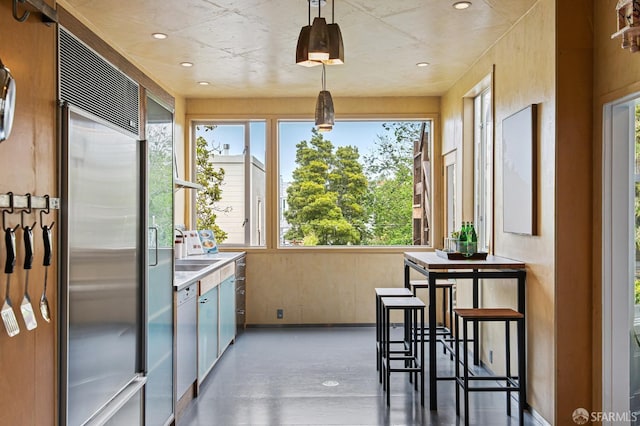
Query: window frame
pixel 272 198
pixel 246 122
pixel 434 181
pixel 483 155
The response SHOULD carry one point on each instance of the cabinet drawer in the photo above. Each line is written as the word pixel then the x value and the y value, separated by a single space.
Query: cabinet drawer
pixel 227 270
pixel 209 282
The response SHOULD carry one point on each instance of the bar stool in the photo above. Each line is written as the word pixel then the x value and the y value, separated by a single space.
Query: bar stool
pixel 443 331
pixel 511 383
pixel 385 292
pixel 412 353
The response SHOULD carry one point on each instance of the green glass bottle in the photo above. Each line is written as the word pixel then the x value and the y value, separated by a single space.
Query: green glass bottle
pixel 472 245
pixel 463 232
pixel 463 237
pixel 474 237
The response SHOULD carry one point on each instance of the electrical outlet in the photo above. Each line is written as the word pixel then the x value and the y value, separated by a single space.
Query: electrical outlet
pixel 280 313
pixel 491 357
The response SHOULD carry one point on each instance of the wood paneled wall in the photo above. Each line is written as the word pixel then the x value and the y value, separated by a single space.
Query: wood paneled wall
pixel 573 212
pixel 616 75
pixel 28 164
pixel 528 70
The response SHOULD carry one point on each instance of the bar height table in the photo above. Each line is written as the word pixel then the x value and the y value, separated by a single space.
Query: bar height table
pixel 435 267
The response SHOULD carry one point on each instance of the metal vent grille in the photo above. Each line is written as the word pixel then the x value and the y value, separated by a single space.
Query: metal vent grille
pixel 89 82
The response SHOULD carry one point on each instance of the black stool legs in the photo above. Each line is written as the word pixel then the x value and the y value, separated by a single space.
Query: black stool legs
pixel 511 383
pixel 412 352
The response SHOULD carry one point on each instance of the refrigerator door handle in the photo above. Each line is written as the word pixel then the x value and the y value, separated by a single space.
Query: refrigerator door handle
pixel 155 243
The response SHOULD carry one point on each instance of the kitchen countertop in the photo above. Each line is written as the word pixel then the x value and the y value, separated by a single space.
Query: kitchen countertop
pixel 182 279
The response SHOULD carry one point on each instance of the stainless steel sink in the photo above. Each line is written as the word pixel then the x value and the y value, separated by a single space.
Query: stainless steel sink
pixel 191 265
pixel 187 261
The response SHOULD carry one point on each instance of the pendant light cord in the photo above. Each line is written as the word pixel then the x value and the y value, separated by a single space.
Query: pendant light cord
pixel 309 11
pixel 324 78
pixel 333 11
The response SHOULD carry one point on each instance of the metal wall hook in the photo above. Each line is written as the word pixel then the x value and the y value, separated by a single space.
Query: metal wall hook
pixel 27 211
pixel 46 210
pixel 24 16
pixel 10 211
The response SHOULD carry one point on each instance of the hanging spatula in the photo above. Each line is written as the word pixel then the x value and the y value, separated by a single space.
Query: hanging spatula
pixel 44 303
pixel 8 316
pixel 25 306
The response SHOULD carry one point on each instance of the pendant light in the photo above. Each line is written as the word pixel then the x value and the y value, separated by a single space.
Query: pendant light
pixel 302 50
pixel 319 38
pixel 336 46
pixel 320 42
pixel 325 114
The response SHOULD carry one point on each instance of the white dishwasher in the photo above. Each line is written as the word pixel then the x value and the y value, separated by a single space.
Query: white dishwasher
pixel 186 338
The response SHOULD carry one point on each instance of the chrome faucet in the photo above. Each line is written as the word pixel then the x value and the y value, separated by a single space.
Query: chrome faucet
pixel 181 251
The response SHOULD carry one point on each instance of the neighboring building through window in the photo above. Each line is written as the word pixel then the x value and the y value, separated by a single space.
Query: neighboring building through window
pixel 233 204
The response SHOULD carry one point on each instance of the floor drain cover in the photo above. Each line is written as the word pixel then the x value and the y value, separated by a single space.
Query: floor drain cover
pixel 330 383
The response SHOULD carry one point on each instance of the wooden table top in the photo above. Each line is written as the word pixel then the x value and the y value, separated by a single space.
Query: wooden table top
pixel 431 261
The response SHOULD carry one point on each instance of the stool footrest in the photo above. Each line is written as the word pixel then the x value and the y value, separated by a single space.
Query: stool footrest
pixel 406 351
pixel 401 358
pixel 406 370
pixel 492 389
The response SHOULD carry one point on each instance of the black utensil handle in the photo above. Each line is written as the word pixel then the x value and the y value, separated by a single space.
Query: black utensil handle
pixel 28 247
pixel 10 243
pixel 46 237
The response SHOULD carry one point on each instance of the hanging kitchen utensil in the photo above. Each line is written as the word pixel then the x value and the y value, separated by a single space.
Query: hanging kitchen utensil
pixel 7 101
pixel 44 303
pixel 25 306
pixel 8 316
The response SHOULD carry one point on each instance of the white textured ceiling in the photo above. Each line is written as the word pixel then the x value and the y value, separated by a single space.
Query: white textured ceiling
pixel 246 48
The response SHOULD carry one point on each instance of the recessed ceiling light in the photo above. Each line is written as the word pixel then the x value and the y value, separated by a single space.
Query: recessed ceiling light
pixel 186 64
pixel 203 83
pixel 422 64
pixel 460 5
pixel 159 36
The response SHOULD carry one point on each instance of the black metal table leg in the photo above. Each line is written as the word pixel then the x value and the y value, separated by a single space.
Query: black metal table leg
pixel 476 340
pixel 433 374
pixel 522 367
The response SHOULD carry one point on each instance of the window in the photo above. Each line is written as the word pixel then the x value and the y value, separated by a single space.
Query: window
pixel 357 185
pixel 230 164
pixel 483 169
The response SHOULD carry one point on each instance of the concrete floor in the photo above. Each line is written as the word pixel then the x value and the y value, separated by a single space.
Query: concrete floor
pixel 323 376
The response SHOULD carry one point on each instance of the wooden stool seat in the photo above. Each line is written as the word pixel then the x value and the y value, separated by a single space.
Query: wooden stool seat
pixel 488 314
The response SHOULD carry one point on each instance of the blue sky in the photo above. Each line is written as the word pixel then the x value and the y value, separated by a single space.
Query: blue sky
pixel 361 134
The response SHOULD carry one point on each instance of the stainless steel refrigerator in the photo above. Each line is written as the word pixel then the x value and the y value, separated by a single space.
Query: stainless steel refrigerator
pixel 102 258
